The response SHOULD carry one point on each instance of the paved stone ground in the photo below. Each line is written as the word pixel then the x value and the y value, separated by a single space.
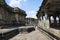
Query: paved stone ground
pixel 35 35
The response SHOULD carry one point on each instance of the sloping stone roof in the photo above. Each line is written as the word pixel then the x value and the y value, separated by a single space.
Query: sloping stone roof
pixel 42 5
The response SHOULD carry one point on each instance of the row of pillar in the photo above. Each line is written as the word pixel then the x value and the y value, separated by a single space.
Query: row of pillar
pixel 54 21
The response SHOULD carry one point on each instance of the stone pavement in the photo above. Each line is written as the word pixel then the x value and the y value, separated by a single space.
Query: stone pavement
pixel 35 35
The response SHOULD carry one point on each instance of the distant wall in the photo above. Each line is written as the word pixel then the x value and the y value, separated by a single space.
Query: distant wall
pixel 31 21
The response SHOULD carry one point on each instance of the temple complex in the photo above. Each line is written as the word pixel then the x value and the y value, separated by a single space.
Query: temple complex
pixel 49 16
pixel 14 25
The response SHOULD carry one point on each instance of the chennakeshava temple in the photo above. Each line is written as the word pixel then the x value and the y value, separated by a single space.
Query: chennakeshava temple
pixel 11 16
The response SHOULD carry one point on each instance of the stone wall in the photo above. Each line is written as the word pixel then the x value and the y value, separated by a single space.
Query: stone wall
pixel 31 21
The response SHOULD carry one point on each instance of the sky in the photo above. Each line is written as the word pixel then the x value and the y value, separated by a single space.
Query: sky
pixel 30 6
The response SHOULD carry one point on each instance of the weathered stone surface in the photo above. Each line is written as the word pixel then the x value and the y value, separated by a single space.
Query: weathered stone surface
pixel 9 16
pixel 5 34
pixel 35 35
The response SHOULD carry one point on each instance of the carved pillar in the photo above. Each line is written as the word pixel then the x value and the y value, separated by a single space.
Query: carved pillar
pixel 55 22
pixel 49 20
pixel 59 19
pixel 42 17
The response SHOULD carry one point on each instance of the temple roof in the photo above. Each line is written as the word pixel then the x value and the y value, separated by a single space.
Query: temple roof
pixel 42 6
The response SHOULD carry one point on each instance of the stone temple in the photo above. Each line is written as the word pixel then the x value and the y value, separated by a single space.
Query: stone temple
pixel 49 16
pixel 11 16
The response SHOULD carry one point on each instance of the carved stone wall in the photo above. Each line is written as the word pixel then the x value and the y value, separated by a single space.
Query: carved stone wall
pixel 8 16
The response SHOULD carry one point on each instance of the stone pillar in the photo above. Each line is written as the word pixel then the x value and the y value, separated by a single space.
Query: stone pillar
pixel 42 17
pixel 49 21
pixel 16 16
pixel 55 20
pixel 59 19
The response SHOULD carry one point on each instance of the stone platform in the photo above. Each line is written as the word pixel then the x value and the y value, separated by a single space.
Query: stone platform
pixel 8 33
